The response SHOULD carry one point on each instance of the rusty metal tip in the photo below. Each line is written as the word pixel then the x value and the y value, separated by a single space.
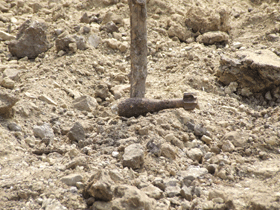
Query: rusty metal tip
pixel 189 97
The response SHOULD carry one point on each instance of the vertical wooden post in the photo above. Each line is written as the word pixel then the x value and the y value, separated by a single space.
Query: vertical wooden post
pixel 138 48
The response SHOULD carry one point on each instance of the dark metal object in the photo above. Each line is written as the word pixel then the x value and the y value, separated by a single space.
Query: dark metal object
pixel 141 106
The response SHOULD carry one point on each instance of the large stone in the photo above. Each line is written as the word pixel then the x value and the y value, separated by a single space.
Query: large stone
pixel 176 29
pixel 100 187
pixel 85 103
pixel 101 190
pixel 71 179
pixel 77 132
pixel 31 40
pixel 253 71
pixel 129 197
pixel 213 37
pixel 133 156
pixel 204 19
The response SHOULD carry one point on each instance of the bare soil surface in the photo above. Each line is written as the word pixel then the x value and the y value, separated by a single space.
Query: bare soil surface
pixel 223 155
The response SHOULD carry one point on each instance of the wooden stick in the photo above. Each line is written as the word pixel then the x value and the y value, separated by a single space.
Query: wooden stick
pixel 138 49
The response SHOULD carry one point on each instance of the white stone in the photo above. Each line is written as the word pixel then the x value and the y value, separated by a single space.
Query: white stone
pixel 47 99
pixel 237 45
pixel 115 154
pixel 5 36
pixel 206 139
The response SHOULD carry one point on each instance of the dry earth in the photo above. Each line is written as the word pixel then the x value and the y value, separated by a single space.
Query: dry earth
pixel 62 145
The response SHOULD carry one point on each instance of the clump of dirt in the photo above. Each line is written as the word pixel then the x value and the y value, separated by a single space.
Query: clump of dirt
pixel 63 145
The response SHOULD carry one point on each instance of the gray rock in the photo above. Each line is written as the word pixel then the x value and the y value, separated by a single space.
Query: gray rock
pixel 80 42
pixel 172 191
pixel 133 156
pixel 31 40
pixel 44 131
pixel 77 132
pixel 153 192
pixel 195 154
pixel 253 71
pixel 186 192
pixel 14 127
pixel 171 182
pixel 85 18
pixel 85 103
pixel 213 37
pixel 110 27
pixel 168 151
pixel 71 179
pixel 6 103
pixel 199 130
pixel 153 148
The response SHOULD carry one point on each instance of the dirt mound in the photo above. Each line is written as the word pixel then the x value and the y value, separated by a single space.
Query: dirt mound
pixel 63 145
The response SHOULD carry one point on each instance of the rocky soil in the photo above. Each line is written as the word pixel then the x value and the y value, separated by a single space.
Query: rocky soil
pixel 64 67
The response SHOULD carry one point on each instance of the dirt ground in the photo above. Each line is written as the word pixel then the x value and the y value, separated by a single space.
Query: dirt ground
pixel 234 136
